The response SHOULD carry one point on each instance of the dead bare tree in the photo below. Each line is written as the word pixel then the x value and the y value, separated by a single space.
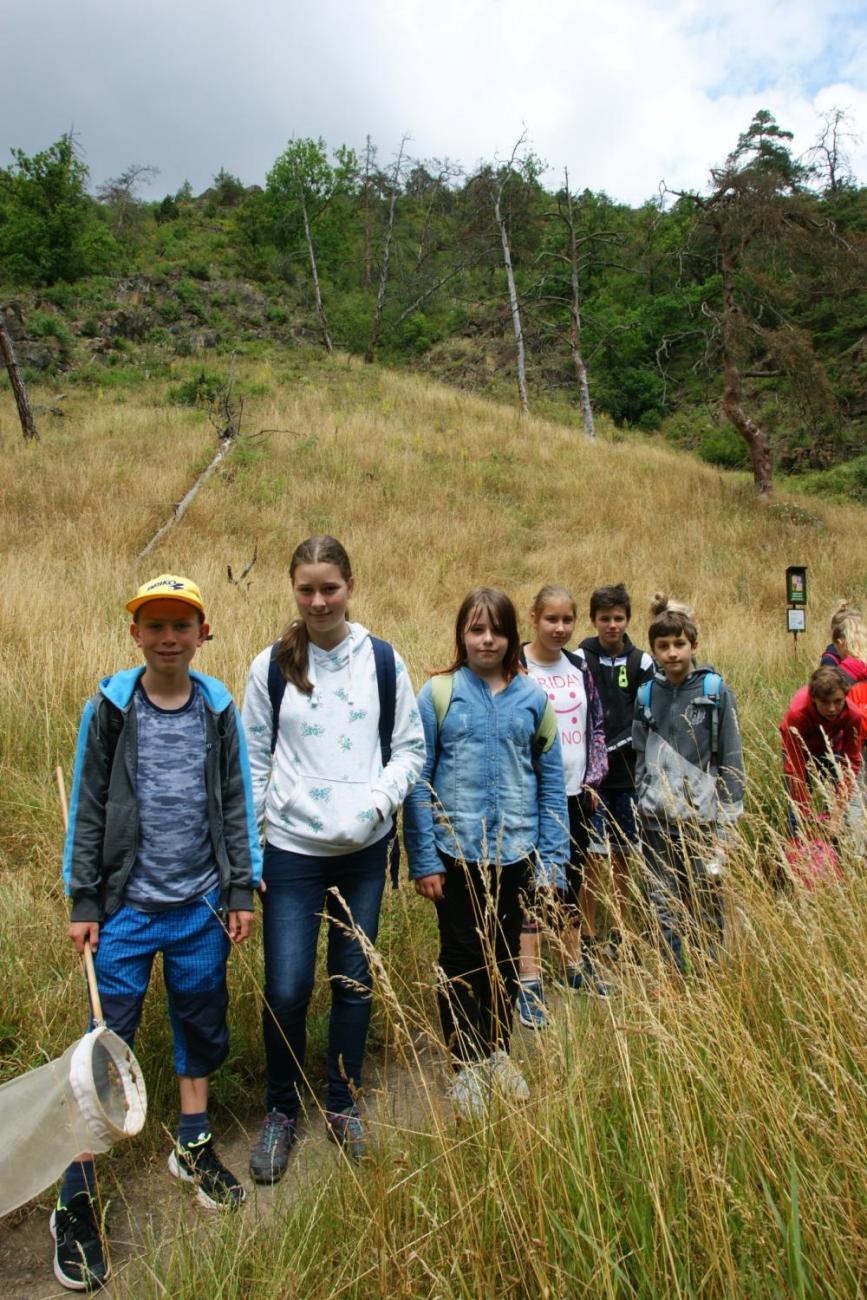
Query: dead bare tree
pixel 22 401
pixel 242 580
pixel 376 327
pixel 575 245
pixel 504 176
pixel 366 210
pixel 121 192
pixel 225 413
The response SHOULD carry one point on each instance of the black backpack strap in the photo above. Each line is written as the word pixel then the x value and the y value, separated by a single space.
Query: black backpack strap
pixel 276 691
pixel 386 684
pixel 633 671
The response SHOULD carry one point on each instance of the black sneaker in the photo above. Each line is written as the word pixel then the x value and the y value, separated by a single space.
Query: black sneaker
pixel 79 1257
pixel 217 1188
pixel 270 1155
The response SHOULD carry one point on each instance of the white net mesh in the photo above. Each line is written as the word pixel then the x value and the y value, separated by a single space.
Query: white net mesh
pixel 88 1099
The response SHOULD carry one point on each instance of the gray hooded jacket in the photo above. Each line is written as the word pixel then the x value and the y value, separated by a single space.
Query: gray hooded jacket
pixel 678 777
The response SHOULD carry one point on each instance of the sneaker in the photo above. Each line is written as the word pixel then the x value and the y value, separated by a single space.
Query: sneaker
pixel 469 1091
pixel 270 1154
pixel 79 1257
pixel 506 1078
pixel 585 979
pixel 198 1163
pixel 346 1128
pixel 532 1011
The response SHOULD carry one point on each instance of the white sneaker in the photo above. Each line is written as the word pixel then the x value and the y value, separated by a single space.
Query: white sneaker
pixel 506 1078
pixel 469 1092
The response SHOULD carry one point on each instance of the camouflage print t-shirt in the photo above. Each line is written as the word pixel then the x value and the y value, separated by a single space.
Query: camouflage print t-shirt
pixel 175 860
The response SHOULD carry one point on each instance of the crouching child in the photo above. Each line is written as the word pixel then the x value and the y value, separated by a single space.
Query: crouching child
pixel 689 782
pixel 162 855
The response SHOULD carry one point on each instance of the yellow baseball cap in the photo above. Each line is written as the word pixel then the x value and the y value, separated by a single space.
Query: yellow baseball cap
pixel 168 586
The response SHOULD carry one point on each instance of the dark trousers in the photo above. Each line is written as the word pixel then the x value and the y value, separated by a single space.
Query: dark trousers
pixel 297 895
pixel 686 900
pixel 479 919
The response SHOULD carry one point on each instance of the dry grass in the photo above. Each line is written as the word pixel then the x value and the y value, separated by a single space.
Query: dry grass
pixel 703 1141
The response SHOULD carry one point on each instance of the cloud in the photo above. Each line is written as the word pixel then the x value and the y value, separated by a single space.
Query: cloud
pixel 625 94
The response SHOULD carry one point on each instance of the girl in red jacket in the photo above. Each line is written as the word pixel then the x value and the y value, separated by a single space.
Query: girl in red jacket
pixel 823 735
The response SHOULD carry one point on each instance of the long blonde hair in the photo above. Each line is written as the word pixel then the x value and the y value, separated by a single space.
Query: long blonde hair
pixel 847 628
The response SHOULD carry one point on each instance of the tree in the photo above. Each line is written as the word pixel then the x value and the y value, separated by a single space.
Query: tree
pixel 394 187
pixel 828 158
pixel 577 246
pixel 302 184
pixel 120 193
pixel 747 235
pixel 49 227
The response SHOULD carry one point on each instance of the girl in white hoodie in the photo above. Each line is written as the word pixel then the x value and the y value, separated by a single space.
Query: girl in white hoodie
pixel 327 781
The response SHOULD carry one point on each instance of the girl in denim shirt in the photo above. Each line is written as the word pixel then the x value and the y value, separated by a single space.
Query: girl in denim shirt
pixel 487 816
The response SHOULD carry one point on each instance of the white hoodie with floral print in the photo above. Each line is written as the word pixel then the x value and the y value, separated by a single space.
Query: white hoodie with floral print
pixel 324 791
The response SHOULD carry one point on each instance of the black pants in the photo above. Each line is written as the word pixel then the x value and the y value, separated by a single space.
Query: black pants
pixel 479 919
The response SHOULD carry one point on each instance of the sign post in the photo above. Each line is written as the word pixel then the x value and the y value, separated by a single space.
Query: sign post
pixel 796 598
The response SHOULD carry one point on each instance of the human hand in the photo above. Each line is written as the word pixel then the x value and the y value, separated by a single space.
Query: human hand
pixel 239 925
pixel 82 932
pixel 431 886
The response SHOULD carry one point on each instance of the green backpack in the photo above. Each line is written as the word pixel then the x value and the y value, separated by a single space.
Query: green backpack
pixel 441 688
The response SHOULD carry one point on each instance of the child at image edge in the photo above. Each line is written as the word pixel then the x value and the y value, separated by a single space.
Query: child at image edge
pixel 162 855
pixel 689 781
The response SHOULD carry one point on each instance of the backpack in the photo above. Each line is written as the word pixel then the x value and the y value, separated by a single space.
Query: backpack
pixel 441 688
pixel 712 695
pixel 386 683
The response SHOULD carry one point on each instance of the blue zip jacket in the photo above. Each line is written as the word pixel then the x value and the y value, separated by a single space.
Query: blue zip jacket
pixel 102 838
pixel 490 803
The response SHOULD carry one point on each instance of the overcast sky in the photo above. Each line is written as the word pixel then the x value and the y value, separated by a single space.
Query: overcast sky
pixel 626 93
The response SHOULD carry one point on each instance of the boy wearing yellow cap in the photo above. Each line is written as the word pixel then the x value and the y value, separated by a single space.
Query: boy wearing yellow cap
pixel 162 855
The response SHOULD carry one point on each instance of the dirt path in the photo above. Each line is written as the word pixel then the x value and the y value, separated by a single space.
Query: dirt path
pixel 149 1206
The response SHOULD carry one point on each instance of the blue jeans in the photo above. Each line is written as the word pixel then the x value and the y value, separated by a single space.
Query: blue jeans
pixel 292 907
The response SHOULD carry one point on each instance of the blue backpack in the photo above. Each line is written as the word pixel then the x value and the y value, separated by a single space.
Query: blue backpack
pixel 712 695
pixel 386 682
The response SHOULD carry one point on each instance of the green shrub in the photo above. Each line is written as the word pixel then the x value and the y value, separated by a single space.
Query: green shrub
pixel 198 391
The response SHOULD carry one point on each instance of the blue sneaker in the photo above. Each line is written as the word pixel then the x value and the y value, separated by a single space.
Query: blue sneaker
pixel 585 979
pixel 532 1012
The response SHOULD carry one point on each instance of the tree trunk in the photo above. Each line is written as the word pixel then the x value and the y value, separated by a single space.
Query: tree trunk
pixel 575 324
pixel 320 309
pixel 376 327
pixel 365 209
pixel 732 402
pixel 25 414
pixel 755 437
pixel 513 303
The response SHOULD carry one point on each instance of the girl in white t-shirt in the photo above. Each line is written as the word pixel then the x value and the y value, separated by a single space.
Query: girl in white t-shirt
pixel 570 688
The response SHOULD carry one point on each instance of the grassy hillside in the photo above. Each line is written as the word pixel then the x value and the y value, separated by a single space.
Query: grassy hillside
pixel 680 1141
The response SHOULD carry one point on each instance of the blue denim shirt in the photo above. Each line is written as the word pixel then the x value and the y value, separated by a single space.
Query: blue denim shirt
pixel 490 803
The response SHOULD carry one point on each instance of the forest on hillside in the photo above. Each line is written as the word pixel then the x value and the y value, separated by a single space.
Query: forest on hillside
pixel 732 318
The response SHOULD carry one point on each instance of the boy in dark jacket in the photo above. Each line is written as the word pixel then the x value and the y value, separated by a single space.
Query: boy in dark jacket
pixel 689 778
pixel 162 855
pixel 618 669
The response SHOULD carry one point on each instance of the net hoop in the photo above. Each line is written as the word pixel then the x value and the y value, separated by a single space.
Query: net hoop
pixel 128 1080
